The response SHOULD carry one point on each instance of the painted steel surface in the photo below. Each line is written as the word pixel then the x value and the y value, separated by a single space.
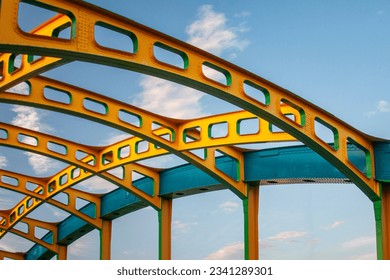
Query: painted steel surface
pixel 353 157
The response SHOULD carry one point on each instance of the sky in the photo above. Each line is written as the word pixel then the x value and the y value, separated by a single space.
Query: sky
pixel 332 53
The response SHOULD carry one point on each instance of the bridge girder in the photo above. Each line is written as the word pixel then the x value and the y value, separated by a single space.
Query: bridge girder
pixel 180 137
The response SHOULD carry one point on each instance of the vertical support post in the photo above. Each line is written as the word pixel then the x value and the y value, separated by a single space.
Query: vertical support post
pixel 251 223
pixel 165 225
pixel 105 240
pixel 62 253
pixel 385 190
pixel 378 229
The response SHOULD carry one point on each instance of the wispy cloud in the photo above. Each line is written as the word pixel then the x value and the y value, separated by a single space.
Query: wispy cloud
pixel 210 32
pixel 233 251
pixel 115 138
pixel 81 248
pixel 96 185
pixel 3 161
pixel 333 225
pixel 380 13
pixel 288 235
pixel 6 203
pixel 167 98
pixel 383 106
pixel 359 242
pixel 242 14
pixel 61 215
pixel 229 207
pixel 181 227
pixel 22 88
pixel 28 117
pixel 14 243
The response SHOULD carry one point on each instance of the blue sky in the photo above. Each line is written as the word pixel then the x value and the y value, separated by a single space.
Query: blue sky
pixel 332 53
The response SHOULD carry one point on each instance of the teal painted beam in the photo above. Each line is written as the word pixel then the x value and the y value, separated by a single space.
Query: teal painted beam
pixel 382 161
pixel 266 165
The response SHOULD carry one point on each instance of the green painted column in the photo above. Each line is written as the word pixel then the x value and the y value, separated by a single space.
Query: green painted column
pixel 385 191
pixel 382 222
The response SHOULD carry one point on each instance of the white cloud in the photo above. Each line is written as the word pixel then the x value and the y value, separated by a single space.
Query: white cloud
pixel 115 138
pixel 29 118
pixel 242 14
pixel 180 227
pixel 7 248
pixel 61 215
pixel 169 99
pixel 359 242
pixel 80 248
pixel 229 207
pixel 6 203
pixel 334 225
pixel 288 235
pixel 3 161
pixel 383 106
pixel 233 251
pixel 14 243
pixel 210 32
pixel 22 88
pixel 40 164
pixel 96 185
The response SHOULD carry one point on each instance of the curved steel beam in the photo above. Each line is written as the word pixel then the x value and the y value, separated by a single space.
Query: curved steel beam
pixel 11 255
pixel 83 46
pixel 187 180
pixel 34 188
pixel 48 241
pixel 11 75
pixel 69 176
pixel 195 134
pixel 38 142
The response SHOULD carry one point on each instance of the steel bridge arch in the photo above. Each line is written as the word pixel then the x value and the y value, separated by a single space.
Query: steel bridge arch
pixel 82 46
pixel 99 155
pixel 37 196
pixel 197 130
pixel 144 60
pixel 54 186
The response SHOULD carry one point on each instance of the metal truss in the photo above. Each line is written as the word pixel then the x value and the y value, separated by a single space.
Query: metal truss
pixel 42 49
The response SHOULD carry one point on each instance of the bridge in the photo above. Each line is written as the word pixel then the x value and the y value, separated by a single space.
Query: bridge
pixel 208 145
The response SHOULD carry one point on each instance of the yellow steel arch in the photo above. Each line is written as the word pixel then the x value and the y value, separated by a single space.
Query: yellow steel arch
pixel 82 46
pixel 35 196
pixel 30 233
pixel 161 131
pixel 30 67
pixel 67 177
pixel 38 142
